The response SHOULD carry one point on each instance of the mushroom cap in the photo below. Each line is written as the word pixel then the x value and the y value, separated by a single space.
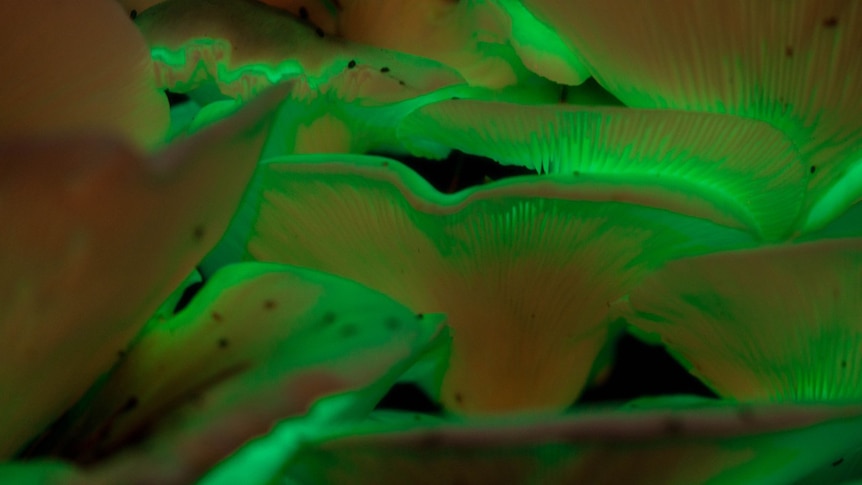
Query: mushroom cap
pixel 777 323
pixel 260 342
pixel 82 276
pixel 244 46
pixel 63 78
pixel 795 65
pixel 523 268
pixel 751 170
pixel 720 443
pixel 471 37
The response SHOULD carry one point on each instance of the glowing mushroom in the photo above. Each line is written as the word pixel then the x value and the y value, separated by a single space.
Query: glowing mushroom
pixel 716 443
pixel 780 323
pixel 525 269
pixel 472 37
pixel 244 46
pixel 747 166
pixel 259 343
pixel 795 65
pixel 77 67
pixel 95 237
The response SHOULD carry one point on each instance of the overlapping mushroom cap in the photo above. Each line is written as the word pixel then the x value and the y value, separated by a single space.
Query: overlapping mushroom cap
pixel 96 235
pixel 746 167
pixel 795 65
pixel 706 443
pixel 772 324
pixel 524 268
pixel 70 67
pixel 259 343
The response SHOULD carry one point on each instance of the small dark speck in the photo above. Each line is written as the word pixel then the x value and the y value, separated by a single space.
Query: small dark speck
pixel 385 164
pixel 121 354
pixel 813 169
pixel 788 51
pixel 269 304
pixel 838 462
pixel 328 319
pixel 393 324
pixel 401 83
pixel 420 316
pixel 351 64
pixel 459 398
pixel 576 173
pixel 198 233
pixel 217 316
pixel 130 405
pixel 384 70
pixel 349 331
pixel 303 13
pixel 830 22
pixel 319 32
pixel 133 14
pixel 223 343
pixel 455 98
pixel 843 364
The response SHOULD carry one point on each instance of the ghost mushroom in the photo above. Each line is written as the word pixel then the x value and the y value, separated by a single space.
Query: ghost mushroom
pixel 746 166
pixel 778 323
pixel 96 236
pixel 795 65
pixel 524 268
pixel 55 57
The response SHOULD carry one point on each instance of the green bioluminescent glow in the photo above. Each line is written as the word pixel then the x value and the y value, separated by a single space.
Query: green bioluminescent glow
pixel 423 241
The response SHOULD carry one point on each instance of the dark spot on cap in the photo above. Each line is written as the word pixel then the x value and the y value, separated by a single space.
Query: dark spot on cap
pixel 319 32
pixel 838 462
pixel 223 343
pixel 384 69
pixel 121 354
pixel 303 13
pixel 269 304
pixel 198 233
pixel 401 83
pixel 217 316
pixel 420 316
pixel 813 169
pixel 130 405
pixel 351 64
pixel 133 14
pixel 392 324
pixel 455 98
pixel 385 164
pixel 576 173
pixel 348 331
pixel 788 51
pixel 843 364
pixel 459 398
pixel 328 319
pixel 830 22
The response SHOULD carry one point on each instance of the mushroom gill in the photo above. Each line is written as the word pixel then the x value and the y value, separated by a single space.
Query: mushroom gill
pixel 779 323
pixel 795 65
pixel 747 166
pixel 525 269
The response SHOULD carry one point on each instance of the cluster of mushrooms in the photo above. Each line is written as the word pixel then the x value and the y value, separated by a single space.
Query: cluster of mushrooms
pixel 216 261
